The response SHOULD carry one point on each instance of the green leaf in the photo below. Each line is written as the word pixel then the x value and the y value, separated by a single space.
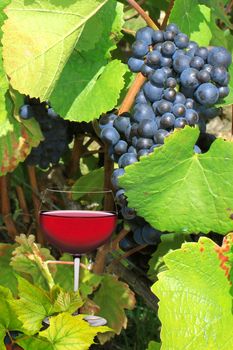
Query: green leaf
pixel 169 241
pixel 182 191
pixel 8 319
pixel 195 305
pixel 29 259
pixel 7 276
pixel 71 332
pixel 153 345
pixel 39 38
pixel 34 343
pixel 93 77
pixel 65 301
pixel 89 282
pixel 65 273
pixel 193 19
pixel 3 4
pixel 113 297
pixel 32 306
pixel 218 8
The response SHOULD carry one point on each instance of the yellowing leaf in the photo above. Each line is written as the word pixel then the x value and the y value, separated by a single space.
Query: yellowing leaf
pixel 68 332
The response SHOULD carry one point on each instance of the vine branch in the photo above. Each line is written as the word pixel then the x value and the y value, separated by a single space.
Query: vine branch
pixel 143 14
pixel 23 204
pixel 167 15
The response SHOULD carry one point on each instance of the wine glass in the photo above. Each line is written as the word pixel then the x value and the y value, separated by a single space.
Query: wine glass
pixel 77 223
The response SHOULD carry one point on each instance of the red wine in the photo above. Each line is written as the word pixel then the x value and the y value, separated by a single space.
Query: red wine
pixel 77 231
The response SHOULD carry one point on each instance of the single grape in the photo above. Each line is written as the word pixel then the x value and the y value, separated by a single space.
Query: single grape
pixel 157 36
pixel 223 91
pixel 137 236
pixel 139 49
pixel 153 93
pixel 208 113
pixel 181 40
pixel 153 147
pixel 146 70
pixel 151 235
pixel 188 78
pixel 219 56
pixel 143 152
pixel 153 58
pixel 143 111
pixel 167 120
pixel 107 120
pixel 134 141
pixel 140 98
pixel 203 76
pixel 126 244
pixel 160 136
pixel 190 103
pixel 180 123
pixel 121 123
pixel 135 64
pixel 110 135
pixel 168 71
pixel 147 128
pixel 173 28
pixel 158 78
pixel 168 48
pixel 181 62
pixel 169 35
pixel 169 94
pixel 146 35
pixel 127 159
pixel 134 129
pixel 220 75
pixel 166 61
pixel 191 116
pixel 26 112
pixel 121 147
pixel 190 53
pixel 197 149
pixel 171 83
pixel 202 52
pixel 143 142
pixel 132 149
pixel 192 45
pixel 164 106
pixel 197 62
pixel 120 197
pixel 208 68
pixel 178 53
pixel 128 213
pixel 180 98
pixel 52 113
pixel 207 94
pixel 178 110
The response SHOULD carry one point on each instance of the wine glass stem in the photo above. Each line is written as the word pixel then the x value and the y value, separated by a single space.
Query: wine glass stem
pixel 76 272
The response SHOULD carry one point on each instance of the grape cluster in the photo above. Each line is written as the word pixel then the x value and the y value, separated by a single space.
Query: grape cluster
pixel 184 81
pixel 55 132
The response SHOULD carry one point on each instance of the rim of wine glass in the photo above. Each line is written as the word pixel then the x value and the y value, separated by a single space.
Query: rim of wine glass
pixel 103 191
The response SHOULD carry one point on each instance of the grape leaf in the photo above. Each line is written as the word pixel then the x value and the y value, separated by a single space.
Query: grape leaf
pixel 193 19
pixel 218 8
pixel 7 276
pixel 34 343
pixel 29 260
pixel 3 4
pixel 64 301
pixel 32 307
pixel 92 74
pixel 70 332
pixel 39 38
pixel 194 296
pixel 169 241
pixel 182 191
pixel 113 297
pixel 65 273
pixel 8 319
pixel 89 282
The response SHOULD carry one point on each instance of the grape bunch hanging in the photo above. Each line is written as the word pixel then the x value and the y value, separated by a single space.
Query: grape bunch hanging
pixel 184 82
pixel 55 131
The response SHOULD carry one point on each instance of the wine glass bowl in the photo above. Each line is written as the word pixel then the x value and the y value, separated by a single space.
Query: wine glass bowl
pixel 76 231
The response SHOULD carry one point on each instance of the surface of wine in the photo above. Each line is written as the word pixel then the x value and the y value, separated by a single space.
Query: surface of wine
pixel 77 231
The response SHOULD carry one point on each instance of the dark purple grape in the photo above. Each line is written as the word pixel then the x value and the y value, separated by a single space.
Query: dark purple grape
pixel 146 70
pixel 128 213
pixel 139 49
pixel 171 83
pixel 167 120
pixel 144 142
pixel 197 62
pixel 178 110
pixel 134 129
pixel 172 27
pixel 192 45
pixel 220 76
pixel 115 175
pixel 140 98
pixel 180 98
pixel 158 36
pixel 197 149
pixel 143 111
pixel 153 58
pixel 153 93
pixel 181 40
pixel 202 52
pixel 169 94
pixel 181 62
pixel 223 91
pixel 146 35
pixel 107 120
pixel 26 112
pixel 127 159
pixel 158 78
pixel 143 152
pixel 207 94
pixel 151 235
pixel 166 61
pixel 191 116
pixel 121 123
pixel 169 35
pixel 135 64
pixel 120 197
pixel 110 135
pixel 208 68
pixel 168 48
pixel 121 147
pixel 188 78
pixel 132 149
pixel 203 76
pixel 160 136
pixel 153 147
pixel 137 236
pixel 219 56
pixel 147 128
pixel 190 103
pixel 164 106
pixel 180 123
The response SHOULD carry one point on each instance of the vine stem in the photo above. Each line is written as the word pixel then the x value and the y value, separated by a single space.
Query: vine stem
pixel 143 14
pixel 74 164
pixel 6 208
pixel 167 15
pixel 23 204
pixel 36 201
pixel 131 94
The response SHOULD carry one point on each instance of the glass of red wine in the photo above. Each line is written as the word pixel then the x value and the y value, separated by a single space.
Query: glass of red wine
pixel 75 222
